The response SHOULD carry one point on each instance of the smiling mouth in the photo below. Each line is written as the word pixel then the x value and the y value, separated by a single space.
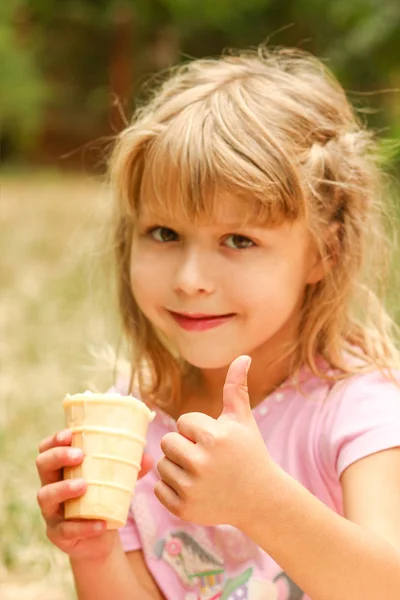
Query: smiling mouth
pixel 199 321
pixel 199 316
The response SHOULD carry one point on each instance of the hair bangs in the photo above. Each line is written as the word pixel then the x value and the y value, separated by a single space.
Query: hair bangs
pixel 196 159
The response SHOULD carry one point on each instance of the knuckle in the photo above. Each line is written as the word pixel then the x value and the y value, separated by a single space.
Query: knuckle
pixel 160 464
pixel 167 441
pixel 41 497
pixel 183 421
pixel 208 438
pixel 181 511
pixel 199 464
pixel 51 535
pixel 38 462
pixel 156 489
pixel 185 486
pixel 65 530
pixel 221 437
pixel 60 540
pixel 164 442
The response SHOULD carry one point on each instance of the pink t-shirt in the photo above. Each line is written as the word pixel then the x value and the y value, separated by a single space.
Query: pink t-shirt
pixel 313 434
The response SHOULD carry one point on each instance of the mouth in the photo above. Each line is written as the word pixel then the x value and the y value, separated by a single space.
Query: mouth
pixel 199 321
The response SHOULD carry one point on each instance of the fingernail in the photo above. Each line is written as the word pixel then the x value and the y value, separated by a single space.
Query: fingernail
pixel 62 437
pixel 248 364
pixel 99 526
pixel 76 485
pixel 74 453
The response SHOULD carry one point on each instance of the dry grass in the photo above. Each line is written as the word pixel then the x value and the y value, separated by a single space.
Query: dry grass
pixel 55 303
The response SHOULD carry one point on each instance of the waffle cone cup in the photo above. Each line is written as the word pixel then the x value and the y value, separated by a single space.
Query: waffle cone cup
pixel 111 431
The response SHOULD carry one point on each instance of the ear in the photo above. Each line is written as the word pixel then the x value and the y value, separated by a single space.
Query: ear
pixel 326 257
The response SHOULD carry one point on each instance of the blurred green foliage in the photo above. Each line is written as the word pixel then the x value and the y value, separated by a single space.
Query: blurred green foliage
pixel 23 89
pixel 69 48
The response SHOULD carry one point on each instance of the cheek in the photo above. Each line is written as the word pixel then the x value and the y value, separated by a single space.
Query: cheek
pixel 146 281
pixel 140 276
pixel 146 267
pixel 277 290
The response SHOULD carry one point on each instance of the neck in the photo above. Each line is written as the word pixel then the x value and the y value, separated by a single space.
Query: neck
pixel 262 380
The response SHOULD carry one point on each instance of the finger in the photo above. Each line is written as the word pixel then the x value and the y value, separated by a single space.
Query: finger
pixel 75 529
pixel 167 496
pixel 50 462
pixel 196 427
pixel 61 438
pixel 173 475
pixel 50 497
pixel 146 465
pixel 236 399
pixel 179 450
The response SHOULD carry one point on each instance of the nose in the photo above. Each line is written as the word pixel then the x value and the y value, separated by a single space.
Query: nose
pixel 193 273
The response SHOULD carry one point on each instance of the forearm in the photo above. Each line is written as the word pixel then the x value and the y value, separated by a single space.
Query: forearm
pixel 329 557
pixel 111 577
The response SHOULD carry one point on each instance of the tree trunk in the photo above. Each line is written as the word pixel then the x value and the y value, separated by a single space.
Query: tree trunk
pixel 121 65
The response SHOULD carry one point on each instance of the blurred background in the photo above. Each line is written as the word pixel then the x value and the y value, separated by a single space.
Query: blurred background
pixel 69 75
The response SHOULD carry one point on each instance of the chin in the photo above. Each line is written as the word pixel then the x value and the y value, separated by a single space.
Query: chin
pixel 208 360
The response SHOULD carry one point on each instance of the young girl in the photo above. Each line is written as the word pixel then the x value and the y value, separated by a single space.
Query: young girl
pixel 248 211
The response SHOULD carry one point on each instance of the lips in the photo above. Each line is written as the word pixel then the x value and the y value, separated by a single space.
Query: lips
pixel 198 316
pixel 199 321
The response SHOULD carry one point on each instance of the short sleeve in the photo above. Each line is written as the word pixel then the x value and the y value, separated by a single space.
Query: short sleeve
pixel 362 417
pixel 129 535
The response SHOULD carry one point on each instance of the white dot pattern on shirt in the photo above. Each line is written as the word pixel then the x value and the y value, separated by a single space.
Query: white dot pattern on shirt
pixel 279 396
pixel 168 421
pixel 263 410
pixel 145 521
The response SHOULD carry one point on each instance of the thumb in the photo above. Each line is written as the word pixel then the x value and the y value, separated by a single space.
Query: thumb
pixel 236 401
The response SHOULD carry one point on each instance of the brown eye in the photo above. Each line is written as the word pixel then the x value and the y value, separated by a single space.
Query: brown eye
pixel 163 234
pixel 236 241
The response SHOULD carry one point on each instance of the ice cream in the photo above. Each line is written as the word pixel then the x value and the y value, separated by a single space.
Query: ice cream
pixel 111 430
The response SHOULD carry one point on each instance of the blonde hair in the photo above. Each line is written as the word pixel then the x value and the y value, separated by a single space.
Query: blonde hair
pixel 273 127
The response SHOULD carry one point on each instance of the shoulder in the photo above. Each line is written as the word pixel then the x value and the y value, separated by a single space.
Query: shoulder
pixel 361 416
pixel 373 391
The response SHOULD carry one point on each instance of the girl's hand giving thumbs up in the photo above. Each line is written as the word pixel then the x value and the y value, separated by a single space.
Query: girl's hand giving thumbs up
pixel 212 468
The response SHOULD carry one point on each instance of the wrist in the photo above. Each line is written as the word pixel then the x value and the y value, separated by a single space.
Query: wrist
pixel 265 500
pixel 108 543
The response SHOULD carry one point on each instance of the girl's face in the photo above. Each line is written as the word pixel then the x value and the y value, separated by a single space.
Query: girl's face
pixel 218 290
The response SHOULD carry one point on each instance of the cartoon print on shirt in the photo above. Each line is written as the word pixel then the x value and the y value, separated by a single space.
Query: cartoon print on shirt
pixel 287 589
pixel 199 569
pixel 187 557
pixel 204 573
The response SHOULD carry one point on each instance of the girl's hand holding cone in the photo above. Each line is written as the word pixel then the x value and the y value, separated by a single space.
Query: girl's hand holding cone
pixel 78 538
